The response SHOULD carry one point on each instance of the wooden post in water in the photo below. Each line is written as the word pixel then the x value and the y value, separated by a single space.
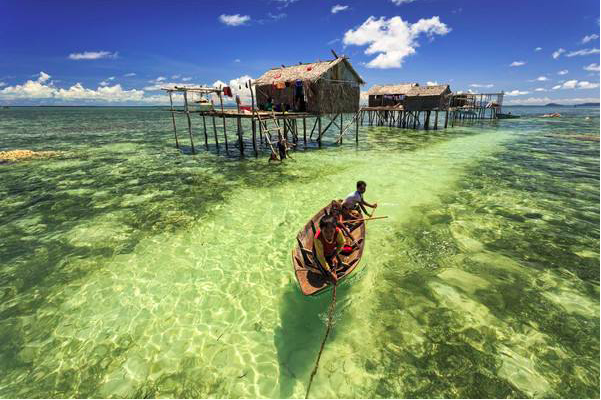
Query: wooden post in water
pixel 214 125
pixel 239 128
pixel 446 118
pixel 340 128
pixel 319 130
pixel 305 132
pixel 223 117
pixel 254 128
pixel 204 128
pixel 357 127
pixel 173 119
pixel 436 120
pixel 189 122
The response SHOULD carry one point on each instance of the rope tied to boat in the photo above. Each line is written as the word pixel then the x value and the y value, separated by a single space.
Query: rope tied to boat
pixel 323 343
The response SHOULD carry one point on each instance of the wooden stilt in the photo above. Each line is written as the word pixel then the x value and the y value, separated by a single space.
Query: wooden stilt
pixel 319 130
pixel 436 120
pixel 305 132
pixel 173 119
pixel 446 118
pixel 340 128
pixel 254 129
pixel 223 117
pixel 204 128
pixel 360 115
pixel 189 122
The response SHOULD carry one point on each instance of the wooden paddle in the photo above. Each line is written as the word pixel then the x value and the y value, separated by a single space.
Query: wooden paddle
pixel 365 219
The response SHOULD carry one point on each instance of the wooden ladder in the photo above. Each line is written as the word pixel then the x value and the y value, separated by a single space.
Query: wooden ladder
pixel 264 128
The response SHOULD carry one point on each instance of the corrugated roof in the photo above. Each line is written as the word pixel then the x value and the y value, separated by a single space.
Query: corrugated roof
pixel 401 88
pixel 304 72
pixel 436 90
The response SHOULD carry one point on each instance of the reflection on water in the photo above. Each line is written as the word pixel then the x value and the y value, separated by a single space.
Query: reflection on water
pixel 129 269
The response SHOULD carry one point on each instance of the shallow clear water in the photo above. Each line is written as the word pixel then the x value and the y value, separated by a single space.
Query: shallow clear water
pixel 129 269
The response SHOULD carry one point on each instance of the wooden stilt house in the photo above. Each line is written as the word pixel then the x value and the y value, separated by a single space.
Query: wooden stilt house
pixel 327 87
pixel 388 95
pixel 424 98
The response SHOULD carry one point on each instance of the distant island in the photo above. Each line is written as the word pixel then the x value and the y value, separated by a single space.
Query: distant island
pixel 575 105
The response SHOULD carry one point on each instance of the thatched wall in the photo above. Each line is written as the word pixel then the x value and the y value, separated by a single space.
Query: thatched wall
pixel 328 87
pixel 425 98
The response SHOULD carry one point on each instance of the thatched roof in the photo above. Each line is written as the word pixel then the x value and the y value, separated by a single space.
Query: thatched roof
pixel 303 72
pixel 401 88
pixel 436 90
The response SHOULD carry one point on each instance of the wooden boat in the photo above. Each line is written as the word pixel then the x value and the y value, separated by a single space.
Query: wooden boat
pixel 506 116
pixel 308 274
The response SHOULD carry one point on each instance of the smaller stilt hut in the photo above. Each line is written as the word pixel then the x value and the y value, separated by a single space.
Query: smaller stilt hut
pixel 328 87
pixel 424 98
pixel 388 95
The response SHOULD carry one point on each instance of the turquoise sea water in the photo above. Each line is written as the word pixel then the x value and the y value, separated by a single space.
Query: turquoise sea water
pixel 131 269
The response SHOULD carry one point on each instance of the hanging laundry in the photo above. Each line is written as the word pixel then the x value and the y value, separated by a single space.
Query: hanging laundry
pixel 299 83
pixel 227 91
pixel 280 85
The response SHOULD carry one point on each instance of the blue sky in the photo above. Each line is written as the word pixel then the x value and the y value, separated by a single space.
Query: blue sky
pixel 98 52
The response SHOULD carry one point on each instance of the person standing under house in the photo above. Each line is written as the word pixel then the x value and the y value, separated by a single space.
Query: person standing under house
pixel 354 201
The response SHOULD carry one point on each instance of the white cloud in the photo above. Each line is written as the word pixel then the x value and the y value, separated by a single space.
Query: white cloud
pixel 186 78
pixel 558 52
pixel 392 39
pixel 583 52
pixel 538 49
pixel 517 63
pixel 42 89
pixel 160 79
pixel 175 76
pixel 588 38
pixel 337 8
pixel 592 67
pixel 542 78
pixel 130 74
pixel 516 93
pixel 563 72
pixel 237 60
pixel 431 83
pixel 276 16
pixel 238 86
pixel 481 85
pixel 540 89
pixel 545 100
pixel 575 84
pixel 2 84
pixel 234 20
pixel 93 55
pixel 399 2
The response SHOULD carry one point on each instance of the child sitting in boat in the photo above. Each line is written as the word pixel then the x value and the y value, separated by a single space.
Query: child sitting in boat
pixel 328 243
pixel 354 201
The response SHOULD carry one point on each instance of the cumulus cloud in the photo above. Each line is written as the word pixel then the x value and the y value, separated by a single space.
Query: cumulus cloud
pixel 392 39
pixel 540 89
pixel 238 87
pixel 337 8
pixel 481 85
pixel 106 82
pixel 538 49
pixel 542 78
pixel 130 74
pixel 563 72
pixel 576 84
pixel 2 84
pixel 588 38
pixel 583 52
pixel 41 88
pixel 234 20
pixel 516 93
pixel 186 78
pixel 558 52
pixel 592 67
pixel 517 63
pixel 431 83
pixel 93 55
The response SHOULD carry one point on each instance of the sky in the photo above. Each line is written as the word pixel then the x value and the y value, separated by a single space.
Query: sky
pixel 123 53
